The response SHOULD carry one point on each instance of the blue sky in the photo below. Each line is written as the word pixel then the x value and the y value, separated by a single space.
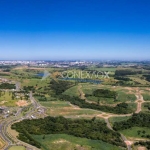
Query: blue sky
pixel 74 29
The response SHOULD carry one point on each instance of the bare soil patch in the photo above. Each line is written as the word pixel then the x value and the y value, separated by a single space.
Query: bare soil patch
pixel 22 103
pixel 2 143
pixel 141 148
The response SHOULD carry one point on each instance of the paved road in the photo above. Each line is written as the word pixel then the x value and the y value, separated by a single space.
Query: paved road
pixel 18 86
pixel 9 121
pixel 108 124
pixel 128 143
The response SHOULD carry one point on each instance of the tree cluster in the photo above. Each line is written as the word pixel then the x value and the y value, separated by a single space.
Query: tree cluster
pixel 122 108
pixel 137 120
pixel 105 93
pixel 60 86
pixel 7 86
pixel 91 129
pixel 126 72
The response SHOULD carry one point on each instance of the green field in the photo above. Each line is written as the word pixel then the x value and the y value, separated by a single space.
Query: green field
pixel 109 69
pixel 118 119
pixel 146 107
pixel 146 96
pixel 57 108
pixel 34 82
pixel 55 104
pixel 17 148
pixel 122 97
pixel 73 91
pixel 136 132
pixel 6 99
pixel 68 142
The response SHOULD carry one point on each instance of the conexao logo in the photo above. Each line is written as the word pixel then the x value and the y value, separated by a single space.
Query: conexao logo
pixel 73 75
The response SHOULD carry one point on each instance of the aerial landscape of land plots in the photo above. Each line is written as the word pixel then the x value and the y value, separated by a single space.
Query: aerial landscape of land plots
pixel 67 112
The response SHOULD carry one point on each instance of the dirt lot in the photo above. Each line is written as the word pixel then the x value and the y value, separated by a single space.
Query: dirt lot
pixel 2 144
pixel 141 148
pixel 22 103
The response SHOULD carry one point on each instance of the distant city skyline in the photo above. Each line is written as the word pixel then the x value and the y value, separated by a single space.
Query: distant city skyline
pixel 75 30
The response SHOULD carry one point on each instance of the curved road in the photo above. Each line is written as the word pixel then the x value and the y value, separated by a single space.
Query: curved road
pixel 9 121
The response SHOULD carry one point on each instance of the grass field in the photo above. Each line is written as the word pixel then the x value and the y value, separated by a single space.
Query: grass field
pixel 145 107
pixel 6 99
pixel 109 69
pixel 55 104
pixel 146 96
pixel 118 119
pixel 133 106
pixel 136 132
pixel 73 91
pixel 137 78
pixel 34 82
pixel 122 97
pixel 17 148
pixel 68 142
pixel 57 108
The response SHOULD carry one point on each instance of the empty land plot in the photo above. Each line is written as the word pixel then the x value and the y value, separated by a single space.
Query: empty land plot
pixel 73 91
pixel 21 103
pixel 57 108
pixel 146 107
pixel 68 142
pixel 55 104
pixel 137 132
pixel 2 143
pixel 34 82
pixel 118 119
pixel 146 96
pixel 6 99
pixel 121 97
pixel 17 148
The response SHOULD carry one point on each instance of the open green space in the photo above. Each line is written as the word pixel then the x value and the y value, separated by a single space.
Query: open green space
pixel 122 97
pixel 55 104
pixel 122 94
pixel 73 91
pixel 17 148
pixel 91 129
pixel 68 142
pixel 6 99
pixel 137 132
pixel 34 82
pixel 146 106
pixel 146 96
pixel 118 119
pixel 109 69
pixel 57 108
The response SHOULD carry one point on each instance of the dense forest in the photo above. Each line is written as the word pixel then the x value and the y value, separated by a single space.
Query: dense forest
pixel 104 93
pixel 122 78
pixel 91 129
pixel 122 108
pixel 7 86
pixel 147 77
pixel 28 88
pixel 138 120
pixel 126 72
pixel 142 143
pixel 60 86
